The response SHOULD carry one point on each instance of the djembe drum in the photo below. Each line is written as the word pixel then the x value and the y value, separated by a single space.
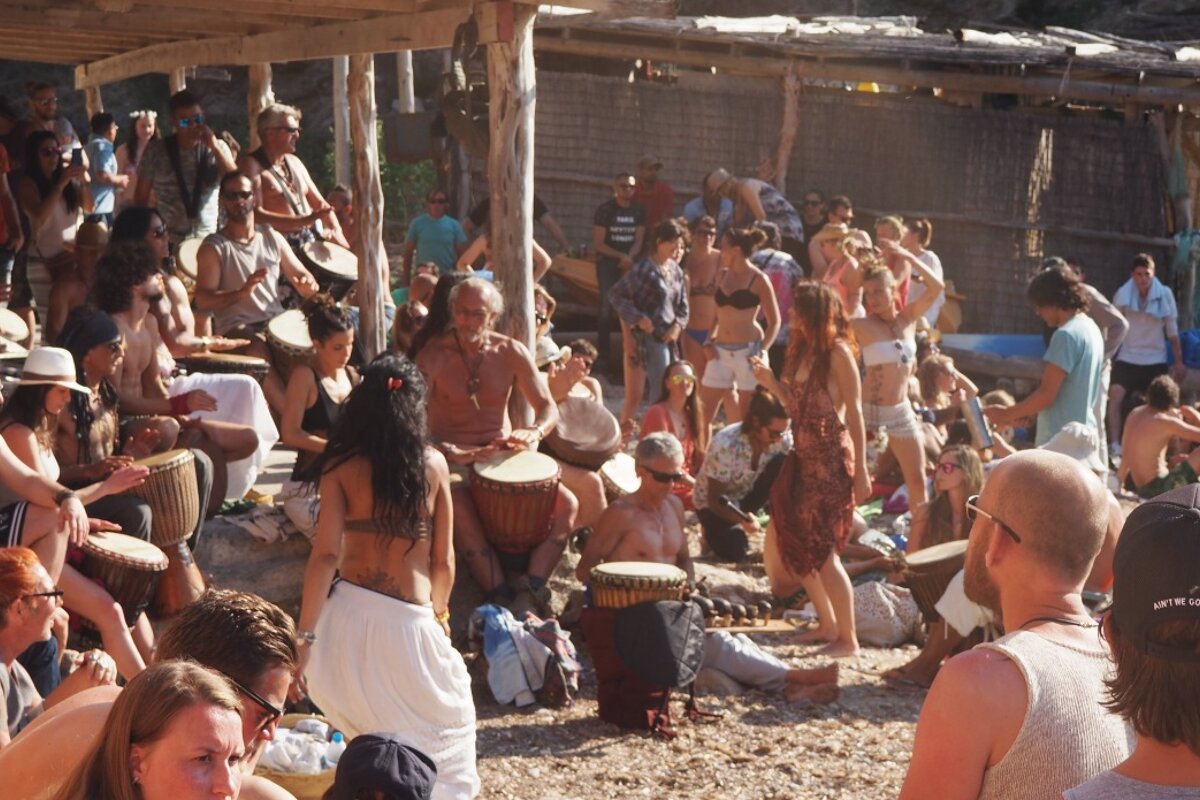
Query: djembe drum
pixel 625 583
pixel 225 364
pixel 334 267
pixel 174 499
pixel 514 494
pixel 928 572
pixel 586 436
pixel 126 567
pixel 287 336
pixel 619 476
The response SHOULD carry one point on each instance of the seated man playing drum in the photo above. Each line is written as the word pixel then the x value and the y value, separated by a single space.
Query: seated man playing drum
pixel 648 526
pixel 471 371
pixel 239 269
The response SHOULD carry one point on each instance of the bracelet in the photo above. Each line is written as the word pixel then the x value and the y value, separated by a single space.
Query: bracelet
pixel 305 637
pixel 179 405
pixel 443 617
pixel 205 342
pixel 63 496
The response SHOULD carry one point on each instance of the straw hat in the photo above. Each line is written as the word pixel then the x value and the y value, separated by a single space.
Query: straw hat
pixel 547 352
pixel 715 180
pixel 834 231
pixel 91 236
pixel 50 366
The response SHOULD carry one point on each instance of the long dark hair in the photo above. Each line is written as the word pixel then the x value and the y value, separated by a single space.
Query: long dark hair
pixel 80 406
pixel 27 407
pixel 131 137
pixel 133 223
pixel 325 317
pixel 693 407
pixel 822 324
pixel 44 183
pixel 439 319
pixel 383 421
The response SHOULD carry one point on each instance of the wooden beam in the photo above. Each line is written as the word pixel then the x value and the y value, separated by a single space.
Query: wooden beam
pixel 341 121
pixel 792 84
pixel 512 99
pixel 418 31
pixel 618 9
pixel 404 82
pixel 368 205
pixel 258 96
pixel 92 101
pixel 149 23
pixel 176 80
pixel 1114 93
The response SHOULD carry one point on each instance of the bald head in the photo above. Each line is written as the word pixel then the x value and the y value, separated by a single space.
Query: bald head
pixel 1056 505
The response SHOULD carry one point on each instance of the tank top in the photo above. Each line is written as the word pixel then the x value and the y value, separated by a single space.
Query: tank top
pixel 319 419
pixel 1067 736
pixel 238 262
pixel 56 231
pixel 47 466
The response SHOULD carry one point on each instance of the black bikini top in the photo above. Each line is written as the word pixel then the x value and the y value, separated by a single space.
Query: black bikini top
pixel 372 526
pixel 742 299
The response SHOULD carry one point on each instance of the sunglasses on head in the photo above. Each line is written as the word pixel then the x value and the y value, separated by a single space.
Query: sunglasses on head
pixel 246 195
pixel 947 467
pixel 974 510
pixel 663 477
pixel 188 122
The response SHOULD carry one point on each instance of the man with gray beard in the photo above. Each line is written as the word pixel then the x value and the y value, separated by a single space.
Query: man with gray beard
pixel 1022 717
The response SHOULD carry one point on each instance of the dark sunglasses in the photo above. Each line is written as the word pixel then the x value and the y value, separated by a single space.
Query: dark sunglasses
pixel 973 509
pixel 50 151
pixel 948 467
pixel 273 712
pixel 237 195
pixel 46 101
pixel 188 122
pixel 56 594
pixel 664 477
pixel 289 131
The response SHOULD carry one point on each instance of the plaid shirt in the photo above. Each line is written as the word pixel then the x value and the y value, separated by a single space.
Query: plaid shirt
pixel 644 292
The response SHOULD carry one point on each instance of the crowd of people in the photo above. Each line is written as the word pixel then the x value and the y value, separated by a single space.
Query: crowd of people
pixel 778 371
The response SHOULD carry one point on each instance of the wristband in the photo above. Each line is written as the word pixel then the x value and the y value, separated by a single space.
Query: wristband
pixel 179 405
pixel 63 496
pixel 443 617
pixel 305 637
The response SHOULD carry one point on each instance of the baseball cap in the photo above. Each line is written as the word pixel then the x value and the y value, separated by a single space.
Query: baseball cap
pixel 382 762
pixel 1156 570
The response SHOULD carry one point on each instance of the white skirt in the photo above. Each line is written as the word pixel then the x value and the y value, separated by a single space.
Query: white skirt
pixel 240 400
pixel 381 665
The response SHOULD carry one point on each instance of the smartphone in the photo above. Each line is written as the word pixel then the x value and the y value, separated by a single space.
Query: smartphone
pixel 77 157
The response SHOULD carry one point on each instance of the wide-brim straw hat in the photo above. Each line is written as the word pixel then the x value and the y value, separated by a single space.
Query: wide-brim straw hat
pixel 51 366
pixel 547 352
pixel 832 232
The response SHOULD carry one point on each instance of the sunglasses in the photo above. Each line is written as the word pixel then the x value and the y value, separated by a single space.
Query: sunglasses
pixel 56 594
pixel 188 122
pixel 973 509
pixel 439 201
pixel 46 101
pixel 948 467
pixel 237 195
pixel 776 435
pixel 682 378
pixel 50 151
pixel 663 477
pixel 273 712
pixel 116 346
pixel 289 131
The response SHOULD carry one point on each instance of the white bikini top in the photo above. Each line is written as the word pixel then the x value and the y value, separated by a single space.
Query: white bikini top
pixel 890 351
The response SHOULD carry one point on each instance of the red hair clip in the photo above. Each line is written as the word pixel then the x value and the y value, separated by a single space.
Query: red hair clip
pixel 395 384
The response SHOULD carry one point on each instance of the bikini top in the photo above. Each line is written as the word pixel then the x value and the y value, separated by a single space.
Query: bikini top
pixel 890 351
pixel 371 526
pixel 742 299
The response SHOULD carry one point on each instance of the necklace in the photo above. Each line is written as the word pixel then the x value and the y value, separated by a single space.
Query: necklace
pixel 472 369
pixel 1060 621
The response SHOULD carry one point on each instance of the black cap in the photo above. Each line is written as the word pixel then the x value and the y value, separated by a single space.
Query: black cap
pixel 382 762
pixel 1156 570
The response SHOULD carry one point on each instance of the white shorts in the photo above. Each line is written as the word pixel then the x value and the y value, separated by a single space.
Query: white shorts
pixel 900 420
pixel 731 368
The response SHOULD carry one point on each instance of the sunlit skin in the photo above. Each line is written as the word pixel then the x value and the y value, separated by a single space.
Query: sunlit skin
pixel 198 757
pixel 257 724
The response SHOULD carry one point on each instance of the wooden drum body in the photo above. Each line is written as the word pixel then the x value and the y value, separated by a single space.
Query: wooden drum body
pixel 287 336
pixel 625 583
pixel 334 267
pixel 929 572
pixel 514 494
pixel 587 434
pixel 619 476
pixel 128 569
pixel 225 364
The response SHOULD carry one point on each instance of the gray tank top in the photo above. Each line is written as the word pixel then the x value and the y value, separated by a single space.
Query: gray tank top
pixel 1067 736
pixel 1111 786
pixel 240 261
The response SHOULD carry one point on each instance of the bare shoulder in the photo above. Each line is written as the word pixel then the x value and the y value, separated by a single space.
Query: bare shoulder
pixel 256 787
pixel 436 467
pixel 982 683
pixel 248 165
pixel 614 517
pixel 676 506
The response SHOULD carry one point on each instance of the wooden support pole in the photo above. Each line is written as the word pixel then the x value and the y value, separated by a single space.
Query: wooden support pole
pixel 512 96
pixel 368 205
pixel 177 79
pixel 792 84
pixel 259 95
pixel 92 101
pixel 341 121
pixel 404 82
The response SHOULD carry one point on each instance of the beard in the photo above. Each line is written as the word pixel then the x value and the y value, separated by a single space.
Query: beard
pixel 977 583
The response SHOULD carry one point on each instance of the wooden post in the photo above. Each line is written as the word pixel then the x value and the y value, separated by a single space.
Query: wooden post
pixel 368 204
pixel 341 122
pixel 259 95
pixel 404 82
pixel 177 79
pixel 92 101
pixel 512 95
pixel 787 131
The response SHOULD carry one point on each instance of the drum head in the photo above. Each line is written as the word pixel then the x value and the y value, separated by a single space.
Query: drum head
pixel 587 433
pixel 333 258
pixel 621 470
pixel 939 552
pixel 639 569
pixel 12 326
pixel 291 329
pixel 165 460
pixel 119 547
pixel 227 358
pixel 523 466
pixel 185 257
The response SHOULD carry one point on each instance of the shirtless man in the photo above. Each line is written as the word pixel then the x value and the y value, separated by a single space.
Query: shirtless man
pixel 648 526
pixel 285 196
pixel 239 269
pixel 1149 430
pixel 472 371
pixel 128 284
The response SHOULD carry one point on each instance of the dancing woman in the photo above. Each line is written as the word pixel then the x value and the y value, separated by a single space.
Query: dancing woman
pixel 812 500
pixel 377 648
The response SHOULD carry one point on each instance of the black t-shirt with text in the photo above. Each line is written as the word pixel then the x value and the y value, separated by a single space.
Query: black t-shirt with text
pixel 620 226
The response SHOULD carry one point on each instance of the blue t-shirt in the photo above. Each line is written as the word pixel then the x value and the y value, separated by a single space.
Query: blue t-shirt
pixel 1077 347
pixel 435 240
pixel 102 158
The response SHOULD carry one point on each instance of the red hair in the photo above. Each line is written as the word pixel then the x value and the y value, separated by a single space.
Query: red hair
pixel 18 577
pixel 820 325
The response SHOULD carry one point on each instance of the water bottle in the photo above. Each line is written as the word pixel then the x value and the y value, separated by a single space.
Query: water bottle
pixel 334 750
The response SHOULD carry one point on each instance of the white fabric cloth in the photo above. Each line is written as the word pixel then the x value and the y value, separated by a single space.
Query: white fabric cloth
pixel 1149 322
pixel 302 505
pixel 917 289
pixel 240 400
pixel 959 612
pixel 381 664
